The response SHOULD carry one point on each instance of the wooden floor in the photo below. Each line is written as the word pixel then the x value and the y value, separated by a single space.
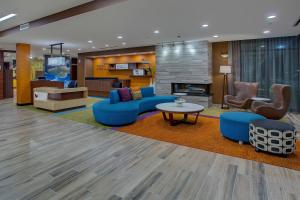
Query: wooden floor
pixel 43 157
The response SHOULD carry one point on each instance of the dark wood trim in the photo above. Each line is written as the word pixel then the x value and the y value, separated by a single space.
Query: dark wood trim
pixel 119 51
pixel 7 51
pixel 1 75
pixel 24 104
pixel 66 96
pixel 77 10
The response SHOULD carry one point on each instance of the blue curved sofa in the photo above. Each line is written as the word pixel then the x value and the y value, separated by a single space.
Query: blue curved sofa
pixel 112 112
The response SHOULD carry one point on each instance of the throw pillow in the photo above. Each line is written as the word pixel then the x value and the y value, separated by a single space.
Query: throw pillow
pixel 125 94
pixel 114 97
pixel 136 95
pixel 147 91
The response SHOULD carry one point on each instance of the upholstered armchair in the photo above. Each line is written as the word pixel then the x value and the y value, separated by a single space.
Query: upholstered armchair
pixel 280 103
pixel 244 92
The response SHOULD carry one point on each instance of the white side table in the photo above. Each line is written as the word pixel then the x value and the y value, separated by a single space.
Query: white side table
pixel 261 99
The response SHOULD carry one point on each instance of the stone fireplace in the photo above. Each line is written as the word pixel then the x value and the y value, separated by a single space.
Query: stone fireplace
pixel 185 67
pixel 191 89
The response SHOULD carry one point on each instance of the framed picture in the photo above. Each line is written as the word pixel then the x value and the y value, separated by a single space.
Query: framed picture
pixel 121 66
pixel 139 72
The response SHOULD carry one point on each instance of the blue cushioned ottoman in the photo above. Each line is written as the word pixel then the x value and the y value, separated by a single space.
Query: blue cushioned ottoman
pixel 235 125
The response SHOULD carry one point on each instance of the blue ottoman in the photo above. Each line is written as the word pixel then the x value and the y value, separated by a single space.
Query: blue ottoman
pixel 235 125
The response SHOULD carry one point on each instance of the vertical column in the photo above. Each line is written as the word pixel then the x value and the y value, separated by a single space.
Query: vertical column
pixel 23 74
pixel 1 75
pixel 81 71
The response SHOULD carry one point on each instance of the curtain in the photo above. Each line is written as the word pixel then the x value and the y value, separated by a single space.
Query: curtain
pixel 269 61
pixel 234 61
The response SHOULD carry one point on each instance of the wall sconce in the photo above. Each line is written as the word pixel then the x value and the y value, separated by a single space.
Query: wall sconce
pixel 224 55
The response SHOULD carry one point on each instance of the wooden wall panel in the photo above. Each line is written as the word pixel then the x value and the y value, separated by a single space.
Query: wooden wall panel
pixel 89 67
pixel 80 71
pixel 218 48
pixel 101 69
pixel 23 74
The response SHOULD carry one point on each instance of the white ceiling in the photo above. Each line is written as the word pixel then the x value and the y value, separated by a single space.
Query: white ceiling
pixel 28 10
pixel 136 20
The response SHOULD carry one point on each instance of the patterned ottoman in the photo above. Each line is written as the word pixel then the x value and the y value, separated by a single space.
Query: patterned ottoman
pixel 273 136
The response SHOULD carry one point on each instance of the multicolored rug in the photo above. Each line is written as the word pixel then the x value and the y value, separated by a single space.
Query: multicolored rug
pixel 205 135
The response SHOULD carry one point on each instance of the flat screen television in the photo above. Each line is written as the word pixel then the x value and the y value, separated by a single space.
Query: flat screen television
pixel 57 68
pixel 57 61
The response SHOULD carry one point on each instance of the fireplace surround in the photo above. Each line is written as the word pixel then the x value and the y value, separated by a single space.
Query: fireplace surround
pixel 185 67
pixel 191 89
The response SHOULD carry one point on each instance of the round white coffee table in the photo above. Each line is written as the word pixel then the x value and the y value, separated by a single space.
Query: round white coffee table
pixel 185 109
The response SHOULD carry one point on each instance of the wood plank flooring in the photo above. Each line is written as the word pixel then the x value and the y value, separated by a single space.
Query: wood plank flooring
pixel 45 157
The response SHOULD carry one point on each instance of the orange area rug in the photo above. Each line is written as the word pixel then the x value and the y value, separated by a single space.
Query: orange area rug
pixel 205 135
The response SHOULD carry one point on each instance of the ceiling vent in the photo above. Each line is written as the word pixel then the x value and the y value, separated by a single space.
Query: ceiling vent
pixel 297 23
pixel 24 26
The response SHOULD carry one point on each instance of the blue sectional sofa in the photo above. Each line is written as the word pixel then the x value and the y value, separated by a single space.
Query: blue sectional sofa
pixel 113 112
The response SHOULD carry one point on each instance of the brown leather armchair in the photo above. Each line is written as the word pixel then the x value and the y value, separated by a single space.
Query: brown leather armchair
pixel 244 92
pixel 280 103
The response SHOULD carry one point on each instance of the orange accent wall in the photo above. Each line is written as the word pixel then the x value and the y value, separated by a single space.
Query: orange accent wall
pixel 23 74
pixel 101 68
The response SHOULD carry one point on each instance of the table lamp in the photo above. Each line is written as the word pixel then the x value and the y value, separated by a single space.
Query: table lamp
pixel 225 69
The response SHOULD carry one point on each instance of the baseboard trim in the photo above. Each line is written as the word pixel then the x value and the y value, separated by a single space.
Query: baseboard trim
pixel 24 104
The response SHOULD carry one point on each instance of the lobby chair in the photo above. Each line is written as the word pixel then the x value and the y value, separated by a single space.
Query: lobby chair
pixel 244 92
pixel 72 84
pixel 279 106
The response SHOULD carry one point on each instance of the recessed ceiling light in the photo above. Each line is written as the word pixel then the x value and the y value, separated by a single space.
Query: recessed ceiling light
pixel 7 17
pixel 123 43
pixel 90 41
pixel 106 45
pixel 204 25
pixel 120 37
pixel 267 32
pixel 216 36
pixel 93 47
pixel 156 32
pixel 271 16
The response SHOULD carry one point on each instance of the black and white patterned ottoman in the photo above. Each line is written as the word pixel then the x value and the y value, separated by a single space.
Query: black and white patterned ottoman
pixel 272 136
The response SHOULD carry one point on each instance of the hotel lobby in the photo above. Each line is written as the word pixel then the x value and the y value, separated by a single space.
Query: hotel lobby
pixel 140 99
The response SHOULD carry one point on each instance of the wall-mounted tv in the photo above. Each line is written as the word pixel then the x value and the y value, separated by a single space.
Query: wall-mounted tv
pixel 57 61
pixel 57 68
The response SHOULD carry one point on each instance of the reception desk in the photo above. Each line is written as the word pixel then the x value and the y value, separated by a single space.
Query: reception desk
pixel 102 86
pixel 44 83
pixel 99 86
pixel 55 99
